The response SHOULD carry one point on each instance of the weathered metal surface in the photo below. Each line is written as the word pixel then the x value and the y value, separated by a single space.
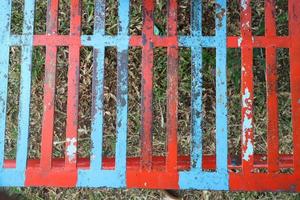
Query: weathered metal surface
pixel 172 171
pixel 25 84
pixel 273 180
pixel 219 178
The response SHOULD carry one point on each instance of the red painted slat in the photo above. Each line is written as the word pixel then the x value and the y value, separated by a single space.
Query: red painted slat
pixel 159 163
pixel 272 110
pixel 149 176
pixel 271 81
pixel 49 88
pixel 48 115
pixel 73 87
pixel 46 174
pixel 294 32
pixel 172 90
pixel 147 87
pixel 259 42
pixel 247 87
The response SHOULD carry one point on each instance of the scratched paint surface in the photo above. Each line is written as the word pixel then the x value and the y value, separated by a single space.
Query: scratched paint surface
pixel 95 176
pixel 196 177
pixel 25 84
pixel 147 171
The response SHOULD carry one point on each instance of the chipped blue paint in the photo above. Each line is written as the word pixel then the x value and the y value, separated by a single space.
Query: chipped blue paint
pixel 193 40
pixel 196 151
pixel 249 151
pixel 196 178
pixel 5 17
pixel 221 91
pixel 17 173
pixel 95 176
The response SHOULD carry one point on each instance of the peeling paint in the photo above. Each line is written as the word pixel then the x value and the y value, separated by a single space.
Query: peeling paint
pixel 246 25
pixel 71 149
pixel 240 40
pixel 244 4
pixel 249 151
pixel 18 172
pixel 95 176
pixel 218 179
pixel 247 124
pixel 246 96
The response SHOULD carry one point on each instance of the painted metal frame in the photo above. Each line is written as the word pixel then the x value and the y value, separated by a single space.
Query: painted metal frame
pixel 148 171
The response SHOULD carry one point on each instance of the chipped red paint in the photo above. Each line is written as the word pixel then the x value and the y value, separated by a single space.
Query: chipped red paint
pixel 159 163
pixel 273 180
pixel 294 31
pixel 146 176
pixel 45 174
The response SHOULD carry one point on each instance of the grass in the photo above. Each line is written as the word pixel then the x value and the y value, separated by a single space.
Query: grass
pixel 159 93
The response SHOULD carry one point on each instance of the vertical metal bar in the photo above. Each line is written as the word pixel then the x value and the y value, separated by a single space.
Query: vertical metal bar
pixel 196 108
pixel 196 93
pixel 73 88
pixel 96 176
pixel 25 86
pixel 196 177
pixel 196 17
pixel 98 76
pixel 247 87
pixel 147 87
pixel 122 89
pixel 49 89
pixel 99 18
pixel 172 90
pixel 270 22
pixel 97 109
pixel 52 17
pixel 272 99
pixel 272 107
pixel 294 32
pixel 5 21
pixel 221 88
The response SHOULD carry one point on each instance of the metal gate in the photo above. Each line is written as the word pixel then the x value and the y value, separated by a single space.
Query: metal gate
pixel 172 171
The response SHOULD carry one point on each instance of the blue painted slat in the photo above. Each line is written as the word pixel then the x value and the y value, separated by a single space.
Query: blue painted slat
pixel 18 173
pixel 95 176
pixel 221 90
pixel 25 84
pixel 98 81
pixel 122 92
pixel 196 108
pixel 99 18
pixel 189 41
pixel 97 106
pixel 196 178
pixel 5 18
pixel 196 17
